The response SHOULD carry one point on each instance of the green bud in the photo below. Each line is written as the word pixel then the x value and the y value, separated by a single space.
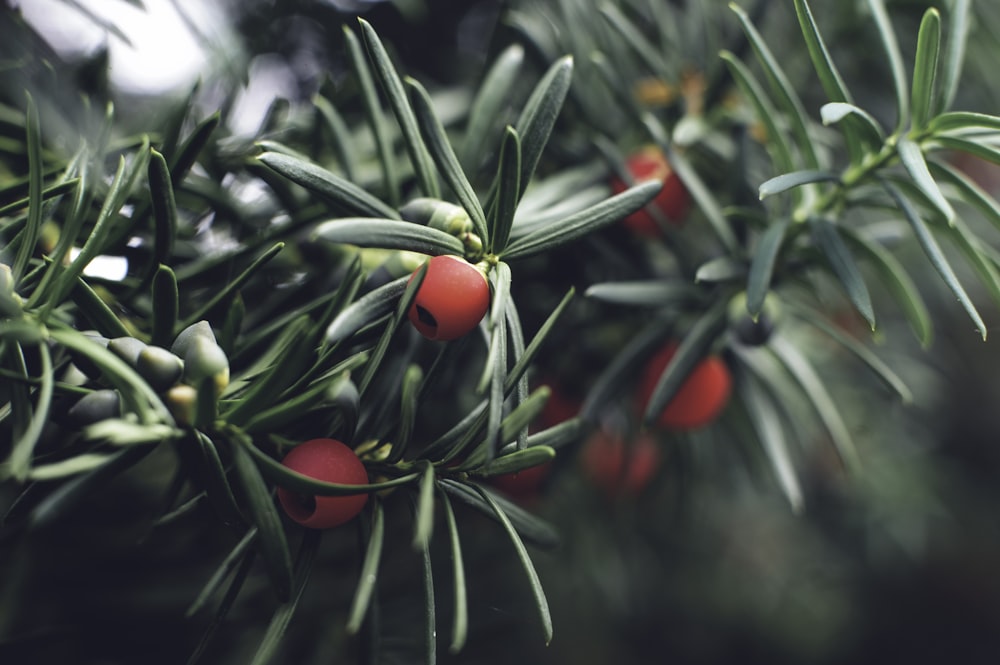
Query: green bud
pixel 127 348
pixel 439 215
pixel 201 329
pixel 182 401
pixel 95 407
pixel 160 368
pixel 10 302
pixel 403 263
pixel 204 358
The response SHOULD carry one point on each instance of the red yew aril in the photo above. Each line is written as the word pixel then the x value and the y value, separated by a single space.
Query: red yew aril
pixel 452 300
pixel 522 484
pixel 620 467
pixel 701 398
pixel 673 201
pixel 331 461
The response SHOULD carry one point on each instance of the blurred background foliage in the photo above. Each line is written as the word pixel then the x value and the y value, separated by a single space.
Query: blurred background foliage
pixel 896 563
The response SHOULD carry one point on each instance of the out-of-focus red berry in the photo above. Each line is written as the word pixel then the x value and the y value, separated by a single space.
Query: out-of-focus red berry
pixel 673 201
pixel 701 398
pixel 619 467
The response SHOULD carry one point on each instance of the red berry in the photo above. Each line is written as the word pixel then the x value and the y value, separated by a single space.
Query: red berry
pixel 673 201
pixel 452 300
pixel 701 397
pixel 522 484
pixel 331 461
pixel 619 467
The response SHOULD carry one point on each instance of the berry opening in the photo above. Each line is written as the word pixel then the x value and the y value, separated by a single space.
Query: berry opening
pixel 301 507
pixel 426 318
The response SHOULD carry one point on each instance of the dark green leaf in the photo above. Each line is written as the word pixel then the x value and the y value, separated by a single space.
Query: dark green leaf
pixel 895 278
pixel 538 117
pixel 328 185
pixel 525 559
pixel 367 309
pixel 228 565
pixel 652 293
pixel 460 611
pixel 870 129
pixel 376 118
pixel 694 346
pixel 389 234
pixel 813 387
pixel 954 54
pixel 766 113
pixel 787 181
pixel 516 461
pixel 936 256
pixel 166 301
pixel 444 157
pixel 827 236
pixel 343 143
pixel 829 76
pixel 425 509
pixel 970 192
pixel 33 228
pixel 508 191
pixel 369 571
pixel 584 222
pixel 766 421
pixel 959 120
pixel 232 287
pixel 272 542
pixel 925 68
pixel 161 193
pixel 788 98
pixel 762 265
pixel 530 527
pixel 721 269
pixel 891 46
pixel 522 363
pixel 283 615
pixel 18 463
pixel 486 108
pixel 396 94
pixel 863 353
pixel 913 161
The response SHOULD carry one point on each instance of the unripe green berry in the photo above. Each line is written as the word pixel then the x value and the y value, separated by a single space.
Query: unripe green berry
pixel 159 367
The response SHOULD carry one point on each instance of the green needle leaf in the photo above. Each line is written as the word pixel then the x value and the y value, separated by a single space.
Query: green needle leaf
pixel 396 94
pixel 369 571
pixel 327 185
pixel 460 611
pixel 786 181
pixel 925 68
pixel 913 161
pixel 33 229
pixel 762 265
pixel 812 385
pixel 522 554
pixel 584 222
pixel 508 190
pixel 892 52
pixel 445 158
pixel 937 257
pixel 261 508
pixel 766 421
pixel 538 117
pixel 389 234
pixel 425 509
pixel 954 55
pixel 493 96
pixel 828 239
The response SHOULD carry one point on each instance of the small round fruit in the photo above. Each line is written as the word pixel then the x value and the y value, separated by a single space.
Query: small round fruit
pixel 617 467
pixel 673 201
pixel 523 484
pixel 331 461
pixel 701 398
pixel 452 299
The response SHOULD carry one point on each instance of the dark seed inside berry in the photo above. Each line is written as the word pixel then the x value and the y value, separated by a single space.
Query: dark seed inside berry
pixel 306 503
pixel 426 317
